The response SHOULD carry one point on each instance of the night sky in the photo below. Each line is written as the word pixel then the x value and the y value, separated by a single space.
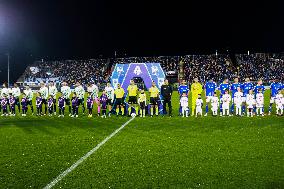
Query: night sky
pixel 35 29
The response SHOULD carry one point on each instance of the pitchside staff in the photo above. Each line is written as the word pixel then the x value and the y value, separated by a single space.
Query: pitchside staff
pixel 132 96
pixel 154 97
pixel 166 92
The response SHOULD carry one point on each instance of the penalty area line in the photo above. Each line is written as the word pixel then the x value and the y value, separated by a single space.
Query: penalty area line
pixel 83 158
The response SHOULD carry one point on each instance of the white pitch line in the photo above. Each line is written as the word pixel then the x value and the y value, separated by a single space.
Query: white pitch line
pixel 70 169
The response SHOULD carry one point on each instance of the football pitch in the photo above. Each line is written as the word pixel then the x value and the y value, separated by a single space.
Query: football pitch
pixel 158 152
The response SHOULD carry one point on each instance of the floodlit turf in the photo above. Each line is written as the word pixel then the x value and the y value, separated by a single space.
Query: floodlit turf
pixel 159 152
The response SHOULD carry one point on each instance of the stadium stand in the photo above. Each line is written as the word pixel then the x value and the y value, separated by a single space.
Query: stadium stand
pixel 93 70
pixel 204 67
pixel 257 66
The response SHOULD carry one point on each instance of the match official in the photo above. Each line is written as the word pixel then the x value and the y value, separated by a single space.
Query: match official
pixel 166 92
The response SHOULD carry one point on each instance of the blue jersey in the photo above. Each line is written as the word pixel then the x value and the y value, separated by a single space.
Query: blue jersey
pixel 210 88
pixel 246 88
pixel 275 87
pixel 183 89
pixel 223 87
pixel 257 87
pixel 234 88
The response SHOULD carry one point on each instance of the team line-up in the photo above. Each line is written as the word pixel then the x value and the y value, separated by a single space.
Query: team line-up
pixel 235 99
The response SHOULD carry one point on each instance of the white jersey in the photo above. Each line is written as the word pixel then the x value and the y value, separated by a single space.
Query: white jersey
pixel 198 102
pixel 259 100
pixel 109 92
pixel 238 97
pixel 29 94
pixel 66 91
pixel 250 101
pixel 10 90
pixel 52 90
pixel 184 101
pixel 279 99
pixel 80 92
pixel 95 91
pixel 4 92
pixel 226 99
pixel 214 101
pixel 16 92
pixel 89 89
pixel 282 101
pixel 44 92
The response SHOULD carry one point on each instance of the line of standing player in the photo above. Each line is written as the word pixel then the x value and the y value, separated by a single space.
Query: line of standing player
pixel 236 98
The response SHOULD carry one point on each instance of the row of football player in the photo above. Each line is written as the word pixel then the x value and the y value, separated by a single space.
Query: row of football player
pixel 10 99
pixel 44 93
pixel 251 104
pixel 243 90
pixel 254 104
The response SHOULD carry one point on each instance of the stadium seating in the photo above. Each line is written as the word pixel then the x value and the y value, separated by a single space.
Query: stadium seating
pixel 257 66
pixel 204 67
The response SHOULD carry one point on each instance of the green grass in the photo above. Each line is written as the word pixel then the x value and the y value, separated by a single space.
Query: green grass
pixel 159 152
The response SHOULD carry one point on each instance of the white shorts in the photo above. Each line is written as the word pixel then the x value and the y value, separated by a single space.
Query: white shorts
pixel 259 105
pixel 238 105
pixel 249 106
pixel 214 108
pixel 225 106
pixel 244 99
pixel 184 107
pixel 208 98
pixel 272 99
pixel 198 109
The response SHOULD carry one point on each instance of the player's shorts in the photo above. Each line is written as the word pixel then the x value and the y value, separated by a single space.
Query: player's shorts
pixel 44 101
pixel 119 101
pixel 225 106
pixel 89 106
pixel 29 103
pixel 244 99
pixel 238 104
pixel 272 99
pixel 67 101
pixel 142 105
pixel 208 98
pixel 80 101
pixel 259 105
pixel 17 100
pixel 108 102
pixel 198 109
pixel 249 106
pixel 214 108
pixel 104 106
pixel 154 100
pixel 132 100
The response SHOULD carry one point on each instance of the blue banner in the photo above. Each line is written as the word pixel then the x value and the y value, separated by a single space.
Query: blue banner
pixel 149 72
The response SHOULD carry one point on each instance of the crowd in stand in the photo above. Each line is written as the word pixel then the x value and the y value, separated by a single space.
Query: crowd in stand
pixel 204 67
pixel 85 71
pixel 255 66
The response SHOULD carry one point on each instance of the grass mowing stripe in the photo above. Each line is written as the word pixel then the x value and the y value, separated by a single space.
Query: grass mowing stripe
pixel 70 169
